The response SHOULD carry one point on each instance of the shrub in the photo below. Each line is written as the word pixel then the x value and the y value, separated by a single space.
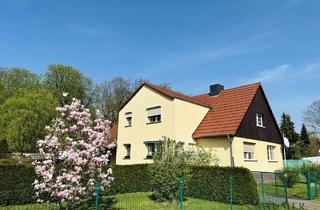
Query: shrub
pixel 293 176
pixel 212 183
pixel 129 178
pixel 170 164
pixel 207 182
pixel 310 167
pixel 16 184
pixel 4 148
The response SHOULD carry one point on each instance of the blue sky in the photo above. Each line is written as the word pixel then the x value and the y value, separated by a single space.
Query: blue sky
pixel 189 44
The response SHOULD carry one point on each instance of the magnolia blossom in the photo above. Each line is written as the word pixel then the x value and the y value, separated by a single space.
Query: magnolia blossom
pixel 72 155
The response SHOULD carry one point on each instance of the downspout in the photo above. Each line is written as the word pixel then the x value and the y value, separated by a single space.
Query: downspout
pixel 230 139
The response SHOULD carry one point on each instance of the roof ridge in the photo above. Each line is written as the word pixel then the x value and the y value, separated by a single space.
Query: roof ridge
pixel 232 88
pixel 242 86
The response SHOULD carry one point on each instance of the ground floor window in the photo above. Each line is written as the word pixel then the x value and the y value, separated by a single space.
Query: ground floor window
pixel 248 151
pixel 151 149
pixel 270 152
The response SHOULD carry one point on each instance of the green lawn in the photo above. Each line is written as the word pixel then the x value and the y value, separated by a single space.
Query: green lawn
pixel 142 201
pixel 298 190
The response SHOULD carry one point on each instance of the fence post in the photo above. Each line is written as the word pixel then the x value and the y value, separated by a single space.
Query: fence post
pixel 97 195
pixel 231 192
pixel 308 185
pixel 181 194
pixel 286 187
pixel 275 183
pixel 316 183
pixel 262 186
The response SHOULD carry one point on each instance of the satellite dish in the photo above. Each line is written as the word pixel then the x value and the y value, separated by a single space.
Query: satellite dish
pixel 286 142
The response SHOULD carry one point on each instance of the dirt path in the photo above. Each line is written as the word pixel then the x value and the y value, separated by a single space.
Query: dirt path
pixel 298 203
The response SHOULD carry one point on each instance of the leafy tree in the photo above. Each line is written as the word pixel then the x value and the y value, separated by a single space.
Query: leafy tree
pixel 65 79
pixel 314 144
pixel 287 129
pixel 23 118
pixel 312 116
pixel 15 81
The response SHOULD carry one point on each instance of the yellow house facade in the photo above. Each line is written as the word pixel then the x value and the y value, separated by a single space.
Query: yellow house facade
pixel 201 121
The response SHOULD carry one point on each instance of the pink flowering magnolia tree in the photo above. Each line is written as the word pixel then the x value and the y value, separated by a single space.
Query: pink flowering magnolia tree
pixel 72 156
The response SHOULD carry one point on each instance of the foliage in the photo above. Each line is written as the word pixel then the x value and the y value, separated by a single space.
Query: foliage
pixel 312 116
pixel 287 129
pixel 201 157
pixel 4 148
pixel 15 81
pixel 212 183
pixel 310 167
pixel 23 119
pixel 208 182
pixel 60 78
pixel 170 164
pixel 291 175
pixel 16 184
pixel 72 155
pixel 305 148
pixel 126 182
pixel 314 145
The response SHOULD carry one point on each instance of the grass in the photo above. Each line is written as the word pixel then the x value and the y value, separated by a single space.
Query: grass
pixel 142 201
pixel 298 190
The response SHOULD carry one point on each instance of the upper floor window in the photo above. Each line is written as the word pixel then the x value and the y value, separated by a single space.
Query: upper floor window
pixel 154 114
pixel 259 120
pixel 129 119
pixel 270 152
pixel 128 151
pixel 248 151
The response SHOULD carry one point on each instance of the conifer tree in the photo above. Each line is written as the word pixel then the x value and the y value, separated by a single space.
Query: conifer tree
pixel 287 129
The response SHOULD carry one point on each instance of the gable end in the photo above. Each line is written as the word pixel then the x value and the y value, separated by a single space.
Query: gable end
pixel 248 127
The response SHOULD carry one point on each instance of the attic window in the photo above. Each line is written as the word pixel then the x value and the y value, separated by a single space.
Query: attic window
pixel 259 120
pixel 129 118
pixel 154 114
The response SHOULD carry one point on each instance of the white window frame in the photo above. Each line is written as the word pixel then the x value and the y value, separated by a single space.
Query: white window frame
pixel 154 114
pixel 249 155
pixel 259 120
pixel 151 151
pixel 271 153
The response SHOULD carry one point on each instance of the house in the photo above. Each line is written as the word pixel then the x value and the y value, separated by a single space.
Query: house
pixel 237 124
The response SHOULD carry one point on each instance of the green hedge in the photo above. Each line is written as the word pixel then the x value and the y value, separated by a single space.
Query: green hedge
pixel 209 183
pixel 130 178
pixel 16 184
pixel 212 183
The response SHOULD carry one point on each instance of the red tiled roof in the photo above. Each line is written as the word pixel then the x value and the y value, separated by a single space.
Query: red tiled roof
pixel 228 110
pixel 168 93
pixel 173 94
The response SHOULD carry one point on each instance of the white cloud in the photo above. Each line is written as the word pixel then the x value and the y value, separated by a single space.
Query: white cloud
pixel 286 73
pixel 268 76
